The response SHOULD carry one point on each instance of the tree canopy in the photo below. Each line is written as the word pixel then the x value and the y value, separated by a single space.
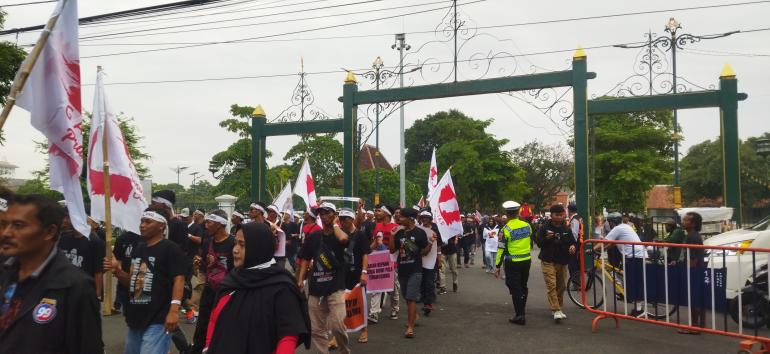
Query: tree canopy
pixel 633 154
pixel 484 175
pixel 703 177
pixel 548 169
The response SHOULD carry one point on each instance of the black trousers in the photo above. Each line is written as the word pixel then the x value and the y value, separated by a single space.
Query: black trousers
pixel 516 277
pixel 204 313
pixel 428 288
pixel 467 246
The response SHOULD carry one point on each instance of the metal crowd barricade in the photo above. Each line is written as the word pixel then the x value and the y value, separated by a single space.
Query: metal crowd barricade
pixel 729 292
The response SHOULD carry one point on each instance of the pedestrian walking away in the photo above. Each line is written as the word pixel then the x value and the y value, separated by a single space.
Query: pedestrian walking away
pixel 556 247
pixel 513 255
pixel 259 308
pixel 48 305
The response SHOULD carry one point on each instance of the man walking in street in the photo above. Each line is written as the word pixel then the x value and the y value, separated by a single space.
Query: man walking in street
pixel 326 250
pixel 429 262
pixel 215 260
pixel 514 255
pixel 576 226
pixel 556 246
pixel 86 253
pixel 411 244
pixel 357 257
pixel 448 262
pixel 155 284
pixel 48 305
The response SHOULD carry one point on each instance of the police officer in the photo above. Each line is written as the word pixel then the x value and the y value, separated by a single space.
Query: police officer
pixel 513 252
pixel 47 305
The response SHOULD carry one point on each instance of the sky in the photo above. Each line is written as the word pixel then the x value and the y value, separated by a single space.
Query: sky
pixel 179 120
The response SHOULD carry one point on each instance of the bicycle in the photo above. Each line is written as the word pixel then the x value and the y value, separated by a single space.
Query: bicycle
pixel 595 290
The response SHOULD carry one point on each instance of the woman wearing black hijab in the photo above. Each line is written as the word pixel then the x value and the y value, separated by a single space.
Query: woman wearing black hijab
pixel 259 307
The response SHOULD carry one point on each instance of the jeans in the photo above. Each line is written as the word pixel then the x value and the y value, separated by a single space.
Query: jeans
pixel 327 314
pixel 555 276
pixel 150 340
pixel 489 260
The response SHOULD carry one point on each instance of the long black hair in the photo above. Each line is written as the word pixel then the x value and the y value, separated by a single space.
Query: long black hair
pixel 697 220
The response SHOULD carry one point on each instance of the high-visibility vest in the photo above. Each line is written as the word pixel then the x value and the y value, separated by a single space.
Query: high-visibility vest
pixel 515 244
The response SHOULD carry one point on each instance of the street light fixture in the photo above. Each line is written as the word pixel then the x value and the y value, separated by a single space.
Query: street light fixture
pixel 227 167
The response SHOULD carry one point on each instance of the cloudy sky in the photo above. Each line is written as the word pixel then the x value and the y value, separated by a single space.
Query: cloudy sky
pixel 179 119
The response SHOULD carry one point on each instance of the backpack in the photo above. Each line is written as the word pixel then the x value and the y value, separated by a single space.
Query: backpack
pixel 214 273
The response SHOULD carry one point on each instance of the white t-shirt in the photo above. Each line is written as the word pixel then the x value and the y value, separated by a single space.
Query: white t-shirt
pixel 624 232
pixel 429 260
pixel 490 243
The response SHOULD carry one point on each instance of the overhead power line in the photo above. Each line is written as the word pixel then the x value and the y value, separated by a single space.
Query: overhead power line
pixel 29 3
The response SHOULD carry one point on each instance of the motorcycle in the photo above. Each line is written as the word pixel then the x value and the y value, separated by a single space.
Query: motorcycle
pixel 755 301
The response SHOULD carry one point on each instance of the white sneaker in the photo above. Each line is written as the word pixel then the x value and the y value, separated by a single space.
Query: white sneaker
pixel 556 316
pixel 561 314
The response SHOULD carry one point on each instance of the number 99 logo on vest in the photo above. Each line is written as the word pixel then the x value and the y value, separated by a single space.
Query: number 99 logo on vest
pixel 45 311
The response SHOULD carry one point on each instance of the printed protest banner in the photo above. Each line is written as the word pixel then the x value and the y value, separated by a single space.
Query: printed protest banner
pixel 380 272
pixel 355 309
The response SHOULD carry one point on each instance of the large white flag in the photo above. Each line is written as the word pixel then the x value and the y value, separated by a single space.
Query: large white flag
pixel 52 96
pixel 127 202
pixel 283 200
pixel 446 209
pixel 432 174
pixel 305 187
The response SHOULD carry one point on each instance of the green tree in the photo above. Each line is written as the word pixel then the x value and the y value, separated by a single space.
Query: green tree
pixel 483 173
pixel 390 189
pixel 703 177
pixel 633 154
pixel 39 186
pixel 11 58
pixel 325 158
pixel 548 169
pixel 234 163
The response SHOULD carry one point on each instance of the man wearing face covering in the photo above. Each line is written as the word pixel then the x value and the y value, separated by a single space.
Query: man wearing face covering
pixel 259 308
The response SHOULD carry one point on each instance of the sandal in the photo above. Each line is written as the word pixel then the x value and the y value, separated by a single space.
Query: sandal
pixel 364 337
pixel 409 333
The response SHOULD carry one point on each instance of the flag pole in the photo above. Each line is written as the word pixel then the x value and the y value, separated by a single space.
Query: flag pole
pixel 107 303
pixel 26 69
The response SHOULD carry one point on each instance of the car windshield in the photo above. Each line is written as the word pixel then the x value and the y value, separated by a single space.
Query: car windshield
pixel 762 225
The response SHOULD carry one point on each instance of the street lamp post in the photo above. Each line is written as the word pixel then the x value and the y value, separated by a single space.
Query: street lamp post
pixel 673 42
pixel 401 45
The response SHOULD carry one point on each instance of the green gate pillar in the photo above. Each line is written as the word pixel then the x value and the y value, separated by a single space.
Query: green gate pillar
pixel 349 128
pixel 731 159
pixel 258 158
pixel 580 99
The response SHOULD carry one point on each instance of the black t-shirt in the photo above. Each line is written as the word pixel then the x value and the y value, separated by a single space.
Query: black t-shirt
pixel 151 282
pixel 84 253
pixel 124 245
pixel 222 251
pixel 468 234
pixel 450 247
pixel 367 227
pixel 696 254
pixel 409 245
pixel 358 246
pixel 177 232
pixel 329 268
pixel 292 237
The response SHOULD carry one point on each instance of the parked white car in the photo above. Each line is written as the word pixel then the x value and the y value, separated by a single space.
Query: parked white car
pixel 739 265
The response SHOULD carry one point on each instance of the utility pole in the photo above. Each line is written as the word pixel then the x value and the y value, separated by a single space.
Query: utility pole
pixel 401 45
pixel 178 170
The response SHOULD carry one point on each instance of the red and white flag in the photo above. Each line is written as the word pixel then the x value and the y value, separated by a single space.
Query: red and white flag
pixel 421 202
pixel 477 216
pixel 127 203
pixel 446 209
pixel 52 96
pixel 305 187
pixel 432 174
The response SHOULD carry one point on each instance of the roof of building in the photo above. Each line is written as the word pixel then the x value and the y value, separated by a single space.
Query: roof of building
pixel 660 197
pixel 370 158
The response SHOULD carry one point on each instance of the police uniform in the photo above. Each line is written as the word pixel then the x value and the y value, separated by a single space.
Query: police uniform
pixel 54 310
pixel 513 254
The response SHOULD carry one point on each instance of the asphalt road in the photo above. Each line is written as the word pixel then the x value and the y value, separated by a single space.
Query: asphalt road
pixel 475 320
